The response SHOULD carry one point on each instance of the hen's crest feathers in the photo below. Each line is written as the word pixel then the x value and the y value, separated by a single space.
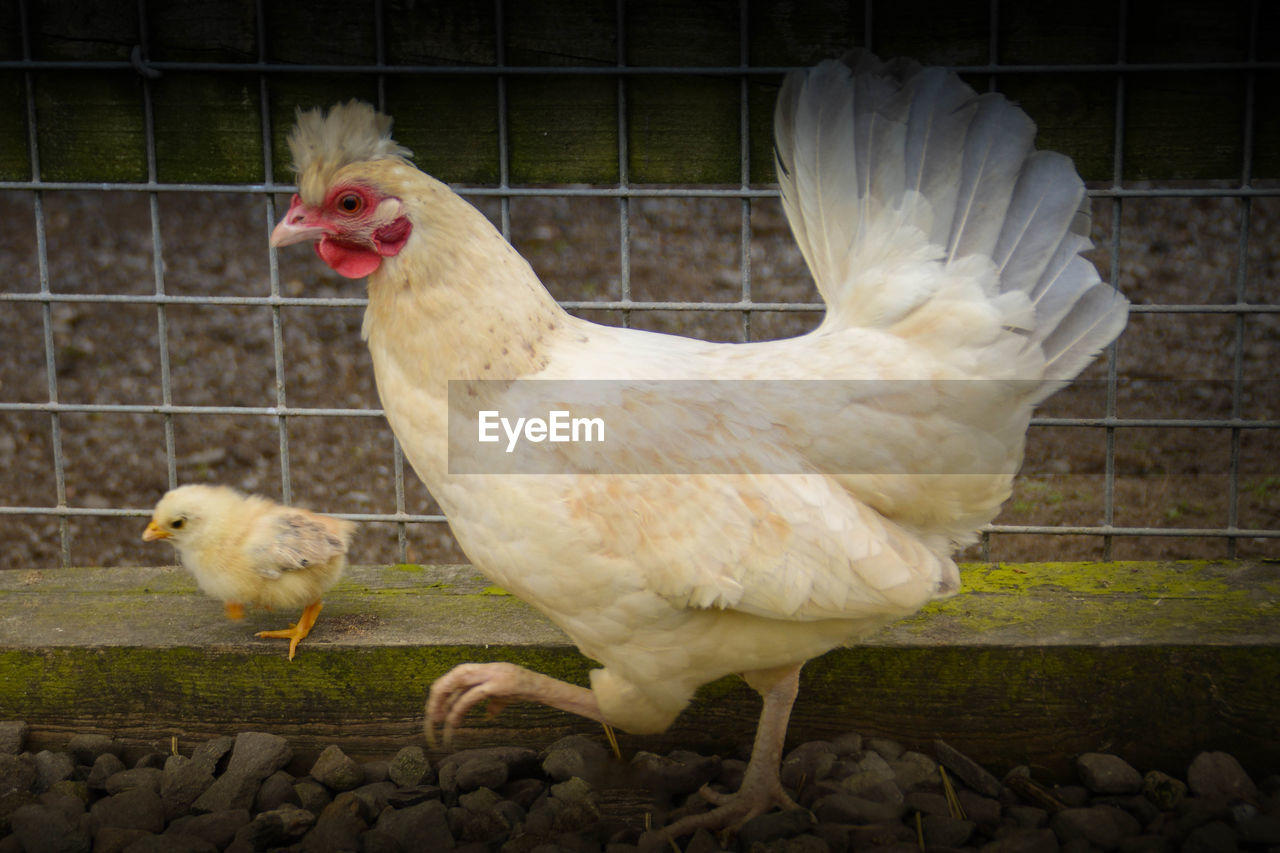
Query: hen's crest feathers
pixel 322 143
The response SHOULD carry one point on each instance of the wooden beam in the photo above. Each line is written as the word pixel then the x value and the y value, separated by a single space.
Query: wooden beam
pixel 1031 663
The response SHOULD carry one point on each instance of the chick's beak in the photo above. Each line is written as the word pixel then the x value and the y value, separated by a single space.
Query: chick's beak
pixel 154 532
pixel 299 225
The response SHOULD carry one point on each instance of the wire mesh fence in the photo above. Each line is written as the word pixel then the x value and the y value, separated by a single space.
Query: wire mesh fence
pixel 150 337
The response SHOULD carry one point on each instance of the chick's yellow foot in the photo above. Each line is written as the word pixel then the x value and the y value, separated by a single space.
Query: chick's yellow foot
pixel 297 632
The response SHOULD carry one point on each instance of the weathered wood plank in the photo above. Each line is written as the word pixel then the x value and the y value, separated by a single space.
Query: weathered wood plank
pixel 1032 663
pixel 683 129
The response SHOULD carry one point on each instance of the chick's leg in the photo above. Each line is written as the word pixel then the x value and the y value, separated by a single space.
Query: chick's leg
pixel 761 786
pixel 499 684
pixel 235 610
pixel 298 632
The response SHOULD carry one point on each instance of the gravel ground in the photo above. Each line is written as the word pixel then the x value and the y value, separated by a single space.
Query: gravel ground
pixel 250 793
pixel 1170 364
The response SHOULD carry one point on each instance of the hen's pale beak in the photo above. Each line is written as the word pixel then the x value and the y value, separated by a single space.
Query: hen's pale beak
pixel 297 226
pixel 153 532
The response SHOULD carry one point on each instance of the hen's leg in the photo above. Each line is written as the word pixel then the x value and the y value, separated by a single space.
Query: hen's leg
pixel 297 632
pixel 499 684
pixel 235 610
pixel 761 787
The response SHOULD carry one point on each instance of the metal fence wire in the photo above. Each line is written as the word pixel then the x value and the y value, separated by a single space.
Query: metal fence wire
pixel 1166 448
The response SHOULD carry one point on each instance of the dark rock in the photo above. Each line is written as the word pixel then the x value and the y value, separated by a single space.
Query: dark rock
pixel 1027 817
pixel 1260 829
pixel 104 767
pixel 348 803
pixel 421 827
pixel 170 844
pixel 13 736
pixel 846 808
pixel 1023 841
pixel 52 767
pixel 85 749
pixel 312 796
pixel 889 750
pixel 912 770
pixel 376 796
pixel 515 762
pixel 403 797
pixel 276 790
pixel 1142 809
pixel 273 829
pixel 732 772
pixel 151 759
pixel 676 774
pixel 969 771
pixel 217 828
pixel 1103 773
pixel 1145 844
pixel 807 764
pixel 136 808
pixel 774 825
pixel 231 790
pixel 947 831
pixel 374 771
pixel 42 829
pixel 17 772
pixel 212 752
pixel 141 777
pixel 409 767
pixel 70 806
pixel 1072 796
pixel 335 832
pixel 577 755
pixel 257 755
pixel 524 792
pixel 336 770
pixel 1220 776
pixel 481 772
pixel 182 782
pixel 1214 837
pixel 871 778
pixel 377 841
pixel 927 802
pixel 1101 826
pixel 116 839
pixel 983 811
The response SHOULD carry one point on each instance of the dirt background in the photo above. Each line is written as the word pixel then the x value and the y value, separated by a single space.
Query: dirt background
pixel 1171 365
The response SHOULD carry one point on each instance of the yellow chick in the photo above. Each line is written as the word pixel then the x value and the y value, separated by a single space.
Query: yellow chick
pixel 245 549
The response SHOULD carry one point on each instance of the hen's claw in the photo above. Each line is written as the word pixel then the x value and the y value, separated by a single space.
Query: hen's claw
pixel 498 684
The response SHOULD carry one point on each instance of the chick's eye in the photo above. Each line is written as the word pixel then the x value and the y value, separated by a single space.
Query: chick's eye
pixel 350 203
pixel 177 523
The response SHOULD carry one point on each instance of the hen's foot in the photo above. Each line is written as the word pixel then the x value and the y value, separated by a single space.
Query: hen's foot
pixel 298 631
pixel 731 811
pixel 498 685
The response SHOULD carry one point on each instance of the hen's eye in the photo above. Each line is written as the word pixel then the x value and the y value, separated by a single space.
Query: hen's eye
pixel 350 203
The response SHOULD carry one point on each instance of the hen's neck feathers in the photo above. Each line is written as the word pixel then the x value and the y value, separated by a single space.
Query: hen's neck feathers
pixel 458 302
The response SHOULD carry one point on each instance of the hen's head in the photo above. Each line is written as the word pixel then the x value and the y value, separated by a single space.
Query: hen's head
pixel 353 222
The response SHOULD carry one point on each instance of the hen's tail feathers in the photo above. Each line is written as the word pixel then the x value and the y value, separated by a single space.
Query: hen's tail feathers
pixel 880 160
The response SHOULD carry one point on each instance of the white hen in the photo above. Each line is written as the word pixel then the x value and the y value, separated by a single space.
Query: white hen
pixel 945 248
